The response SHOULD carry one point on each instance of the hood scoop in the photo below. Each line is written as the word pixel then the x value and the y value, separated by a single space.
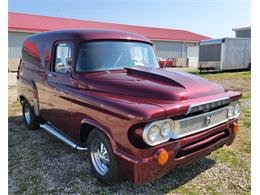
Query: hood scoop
pixel 153 77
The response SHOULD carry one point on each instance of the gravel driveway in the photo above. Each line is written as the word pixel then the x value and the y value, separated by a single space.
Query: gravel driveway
pixel 40 164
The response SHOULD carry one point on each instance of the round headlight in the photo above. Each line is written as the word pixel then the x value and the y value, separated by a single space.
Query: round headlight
pixel 234 109
pixel 153 133
pixel 230 111
pixel 237 109
pixel 166 129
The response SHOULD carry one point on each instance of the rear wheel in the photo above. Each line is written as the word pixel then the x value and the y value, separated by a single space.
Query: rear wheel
pixel 30 119
pixel 101 157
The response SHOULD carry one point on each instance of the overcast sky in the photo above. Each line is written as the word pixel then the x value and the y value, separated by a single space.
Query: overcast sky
pixel 214 18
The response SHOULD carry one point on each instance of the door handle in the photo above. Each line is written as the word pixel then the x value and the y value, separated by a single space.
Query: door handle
pixel 51 75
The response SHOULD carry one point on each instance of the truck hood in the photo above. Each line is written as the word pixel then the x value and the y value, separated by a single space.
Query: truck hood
pixel 149 85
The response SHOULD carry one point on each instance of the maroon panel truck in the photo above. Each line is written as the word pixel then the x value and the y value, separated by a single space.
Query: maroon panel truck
pixel 102 92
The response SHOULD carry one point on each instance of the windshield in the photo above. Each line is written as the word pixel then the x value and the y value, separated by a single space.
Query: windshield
pixel 111 55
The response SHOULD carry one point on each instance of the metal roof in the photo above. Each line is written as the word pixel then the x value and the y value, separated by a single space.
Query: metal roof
pixel 212 41
pixel 36 23
pixel 246 27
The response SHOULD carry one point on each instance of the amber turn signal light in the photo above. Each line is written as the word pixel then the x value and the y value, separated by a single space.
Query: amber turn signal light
pixel 162 156
pixel 235 127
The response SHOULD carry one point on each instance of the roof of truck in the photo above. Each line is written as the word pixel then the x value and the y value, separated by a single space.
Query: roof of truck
pixel 89 34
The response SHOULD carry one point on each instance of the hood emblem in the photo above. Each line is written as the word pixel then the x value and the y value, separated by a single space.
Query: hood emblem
pixel 207 120
pixel 206 108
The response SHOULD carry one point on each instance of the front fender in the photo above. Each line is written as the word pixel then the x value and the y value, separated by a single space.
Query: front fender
pixel 104 129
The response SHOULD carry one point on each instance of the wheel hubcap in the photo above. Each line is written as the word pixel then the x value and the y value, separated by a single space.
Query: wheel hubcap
pixel 99 157
pixel 27 114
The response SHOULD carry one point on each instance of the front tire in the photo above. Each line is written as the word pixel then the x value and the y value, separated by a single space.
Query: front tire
pixel 30 119
pixel 101 157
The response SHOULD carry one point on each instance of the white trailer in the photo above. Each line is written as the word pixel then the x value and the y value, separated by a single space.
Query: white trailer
pixel 225 54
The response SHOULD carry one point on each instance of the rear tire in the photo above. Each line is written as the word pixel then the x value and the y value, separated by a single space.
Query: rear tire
pixel 30 119
pixel 101 157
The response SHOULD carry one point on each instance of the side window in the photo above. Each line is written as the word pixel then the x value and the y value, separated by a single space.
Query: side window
pixel 63 57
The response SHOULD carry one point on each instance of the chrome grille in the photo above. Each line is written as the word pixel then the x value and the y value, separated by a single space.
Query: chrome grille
pixel 194 124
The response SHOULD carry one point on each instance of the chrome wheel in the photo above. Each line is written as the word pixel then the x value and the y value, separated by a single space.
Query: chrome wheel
pixel 27 114
pixel 99 157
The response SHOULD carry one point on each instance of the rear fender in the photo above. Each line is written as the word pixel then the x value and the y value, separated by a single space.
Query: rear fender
pixel 28 90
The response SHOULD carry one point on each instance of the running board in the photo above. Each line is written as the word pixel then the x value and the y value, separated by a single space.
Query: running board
pixel 60 136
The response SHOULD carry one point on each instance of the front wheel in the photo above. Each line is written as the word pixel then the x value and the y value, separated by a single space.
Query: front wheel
pixel 101 157
pixel 30 119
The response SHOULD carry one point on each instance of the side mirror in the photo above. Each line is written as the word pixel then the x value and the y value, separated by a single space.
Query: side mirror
pixel 69 62
pixel 69 69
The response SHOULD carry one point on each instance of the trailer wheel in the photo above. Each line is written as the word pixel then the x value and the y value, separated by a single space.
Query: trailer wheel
pixel 249 66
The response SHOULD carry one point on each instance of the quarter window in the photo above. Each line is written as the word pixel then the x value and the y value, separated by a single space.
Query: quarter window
pixel 63 58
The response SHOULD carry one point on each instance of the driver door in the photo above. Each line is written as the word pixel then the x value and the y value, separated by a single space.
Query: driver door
pixel 59 85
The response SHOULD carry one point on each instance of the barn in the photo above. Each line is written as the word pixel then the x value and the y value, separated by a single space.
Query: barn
pixel 181 45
